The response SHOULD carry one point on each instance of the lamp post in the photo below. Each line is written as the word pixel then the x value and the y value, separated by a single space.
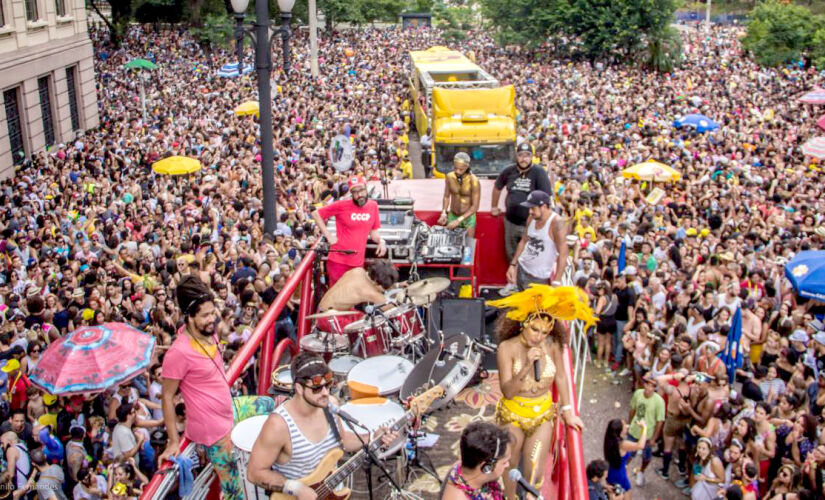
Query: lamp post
pixel 263 40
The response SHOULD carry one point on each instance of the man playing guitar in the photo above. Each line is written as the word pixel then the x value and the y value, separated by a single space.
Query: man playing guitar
pixel 298 434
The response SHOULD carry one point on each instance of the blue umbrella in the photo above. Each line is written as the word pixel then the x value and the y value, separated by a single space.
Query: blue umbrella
pixel 806 273
pixel 732 355
pixel 622 257
pixel 231 70
pixel 700 123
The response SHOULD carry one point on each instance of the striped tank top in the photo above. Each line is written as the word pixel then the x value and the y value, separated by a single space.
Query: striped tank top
pixel 305 454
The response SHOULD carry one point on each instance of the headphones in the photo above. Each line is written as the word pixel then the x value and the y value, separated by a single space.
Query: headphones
pixel 488 466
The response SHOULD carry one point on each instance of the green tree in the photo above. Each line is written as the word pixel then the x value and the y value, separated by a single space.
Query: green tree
pixel 779 33
pixel 215 31
pixel 525 22
pixel 664 52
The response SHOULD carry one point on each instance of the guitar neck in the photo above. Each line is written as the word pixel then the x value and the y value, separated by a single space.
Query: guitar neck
pixel 359 458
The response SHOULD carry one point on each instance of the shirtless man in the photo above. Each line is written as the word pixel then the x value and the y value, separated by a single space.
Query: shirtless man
pixel 462 194
pixel 752 330
pixel 677 389
pixel 359 285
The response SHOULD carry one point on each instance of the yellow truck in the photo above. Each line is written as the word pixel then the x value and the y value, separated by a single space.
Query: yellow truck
pixel 462 108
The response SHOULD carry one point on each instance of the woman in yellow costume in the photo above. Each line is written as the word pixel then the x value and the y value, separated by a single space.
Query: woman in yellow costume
pixel 532 332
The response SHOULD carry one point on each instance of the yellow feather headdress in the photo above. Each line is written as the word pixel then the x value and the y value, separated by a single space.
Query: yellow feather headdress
pixel 562 302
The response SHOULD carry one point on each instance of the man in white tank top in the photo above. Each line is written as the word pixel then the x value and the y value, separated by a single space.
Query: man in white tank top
pixel 297 435
pixel 541 255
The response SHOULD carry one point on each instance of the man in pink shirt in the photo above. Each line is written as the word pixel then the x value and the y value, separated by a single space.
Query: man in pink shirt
pixel 194 365
pixel 355 220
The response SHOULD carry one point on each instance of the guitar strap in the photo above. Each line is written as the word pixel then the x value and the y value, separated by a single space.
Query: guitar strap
pixel 333 425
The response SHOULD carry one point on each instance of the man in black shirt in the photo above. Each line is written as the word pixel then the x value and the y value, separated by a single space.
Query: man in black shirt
pixel 521 179
pixel 625 310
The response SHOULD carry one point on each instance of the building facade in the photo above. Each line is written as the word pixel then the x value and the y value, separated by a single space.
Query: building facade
pixel 46 77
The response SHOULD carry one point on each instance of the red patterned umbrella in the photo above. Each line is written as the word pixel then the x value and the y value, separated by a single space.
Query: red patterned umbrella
pixel 816 96
pixel 821 122
pixel 815 147
pixel 93 358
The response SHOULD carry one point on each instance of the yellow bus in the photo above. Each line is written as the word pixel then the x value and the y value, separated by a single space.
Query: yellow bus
pixel 464 109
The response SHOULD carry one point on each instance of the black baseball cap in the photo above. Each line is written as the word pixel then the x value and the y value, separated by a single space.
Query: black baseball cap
pixel 524 147
pixel 537 198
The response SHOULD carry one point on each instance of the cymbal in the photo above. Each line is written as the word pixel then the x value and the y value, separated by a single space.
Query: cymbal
pixel 399 296
pixel 429 286
pixel 331 313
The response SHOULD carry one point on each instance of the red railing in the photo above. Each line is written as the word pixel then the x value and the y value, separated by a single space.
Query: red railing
pixel 565 473
pixel 263 337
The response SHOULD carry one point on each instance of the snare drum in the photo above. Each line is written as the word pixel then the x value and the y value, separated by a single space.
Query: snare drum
pixel 325 344
pixel 243 436
pixel 368 337
pixel 374 413
pixel 378 376
pixel 407 322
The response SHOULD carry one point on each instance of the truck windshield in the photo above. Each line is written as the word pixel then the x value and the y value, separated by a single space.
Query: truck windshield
pixel 486 160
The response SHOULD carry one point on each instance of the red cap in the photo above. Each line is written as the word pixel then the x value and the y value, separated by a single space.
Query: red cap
pixel 356 180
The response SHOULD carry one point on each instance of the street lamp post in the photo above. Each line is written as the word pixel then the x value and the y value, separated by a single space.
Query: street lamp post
pixel 263 39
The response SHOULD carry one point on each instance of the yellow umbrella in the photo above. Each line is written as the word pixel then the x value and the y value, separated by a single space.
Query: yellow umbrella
pixel 652 170
pixel 248 108
pixel 177 165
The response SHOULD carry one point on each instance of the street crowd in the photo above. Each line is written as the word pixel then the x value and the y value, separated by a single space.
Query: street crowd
pixel 89 235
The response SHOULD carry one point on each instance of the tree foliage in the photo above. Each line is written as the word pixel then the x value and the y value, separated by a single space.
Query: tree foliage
pixel 600 29
pixel 779 33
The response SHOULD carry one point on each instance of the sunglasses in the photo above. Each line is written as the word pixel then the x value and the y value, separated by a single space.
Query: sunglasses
pixel 318 382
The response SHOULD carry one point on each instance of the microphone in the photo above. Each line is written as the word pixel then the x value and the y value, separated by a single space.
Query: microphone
pixel 344 415
pixel 536 372
pixel 516 477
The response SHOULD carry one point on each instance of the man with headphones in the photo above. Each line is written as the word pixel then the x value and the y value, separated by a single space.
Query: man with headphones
pixel 194 364
pixel 485 456
pixel 462 194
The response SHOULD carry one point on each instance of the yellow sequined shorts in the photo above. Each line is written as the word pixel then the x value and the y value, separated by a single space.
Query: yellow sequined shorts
pixel 525 413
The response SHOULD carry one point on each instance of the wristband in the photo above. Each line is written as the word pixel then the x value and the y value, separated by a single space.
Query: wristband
pixel 566 408
pixel 292 487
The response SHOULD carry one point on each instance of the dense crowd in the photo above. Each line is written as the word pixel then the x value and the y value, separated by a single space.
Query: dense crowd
pixel 90 235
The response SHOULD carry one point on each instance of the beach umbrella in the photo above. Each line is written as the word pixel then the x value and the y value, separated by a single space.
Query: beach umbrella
pixel 652 171
pixel 93 359
pixel 815 147
pixel 140 64
pixel 821 122
pixel 248 108
pixel 700 123
pixel 806 272
pixel 177 165
pixel 815 96
pixel 231 70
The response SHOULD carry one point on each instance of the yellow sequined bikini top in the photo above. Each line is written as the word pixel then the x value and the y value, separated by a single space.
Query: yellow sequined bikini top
pixel 548 373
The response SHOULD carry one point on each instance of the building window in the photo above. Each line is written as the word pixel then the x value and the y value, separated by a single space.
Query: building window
pixel 60 7
pixel 12 104
pixel 71 84
pixel 31 10
pixel 2 16
pixel 46 109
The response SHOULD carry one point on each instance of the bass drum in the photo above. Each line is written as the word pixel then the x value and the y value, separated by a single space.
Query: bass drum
pixel 452 367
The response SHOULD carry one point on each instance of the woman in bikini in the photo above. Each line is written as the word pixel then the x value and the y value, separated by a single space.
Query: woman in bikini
pixel 531 342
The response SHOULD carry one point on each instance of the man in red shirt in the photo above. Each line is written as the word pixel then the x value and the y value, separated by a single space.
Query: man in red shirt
pixel 17 385
pixel 355 220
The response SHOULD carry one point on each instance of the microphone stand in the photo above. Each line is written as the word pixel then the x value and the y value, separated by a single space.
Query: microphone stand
pixel 372 458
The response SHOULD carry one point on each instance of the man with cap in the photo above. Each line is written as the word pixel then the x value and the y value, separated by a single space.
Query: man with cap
pixel 356 219
pixel 520 179
pixel 301 431
pixel 18 383
pixel 462 194
pixel 541 254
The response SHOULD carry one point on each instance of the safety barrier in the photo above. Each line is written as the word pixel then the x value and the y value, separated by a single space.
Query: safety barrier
pixel 567 478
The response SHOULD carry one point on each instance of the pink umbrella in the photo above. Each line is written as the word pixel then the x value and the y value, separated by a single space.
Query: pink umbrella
pixel 815 147
pixel 93 358
pixel 821 122
pixel 816 96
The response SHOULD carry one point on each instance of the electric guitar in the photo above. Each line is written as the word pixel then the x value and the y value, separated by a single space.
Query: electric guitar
pixel 325 477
